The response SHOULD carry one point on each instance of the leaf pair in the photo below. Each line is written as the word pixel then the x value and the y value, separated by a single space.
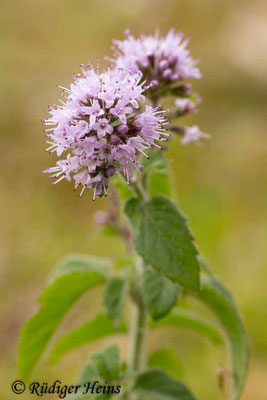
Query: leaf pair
pixel 165 243
pixel 105 366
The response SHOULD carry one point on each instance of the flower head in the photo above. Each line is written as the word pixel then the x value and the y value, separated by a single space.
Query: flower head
pixel 193 134
pixel 161 59
pixel 102 127
pixel 185 106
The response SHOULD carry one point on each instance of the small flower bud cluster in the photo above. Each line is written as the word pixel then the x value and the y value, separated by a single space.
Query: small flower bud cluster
pixel 193 134
pixel 102 126
pixel 185 106
pixel 162 60
pixel 165 63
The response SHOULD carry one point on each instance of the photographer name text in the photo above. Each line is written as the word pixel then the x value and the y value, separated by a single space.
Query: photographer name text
pixel 62 390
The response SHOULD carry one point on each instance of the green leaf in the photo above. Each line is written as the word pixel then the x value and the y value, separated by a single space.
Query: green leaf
pixel 218 298
pixel 107 363
pixel 159 292
pixel 163 240
pixel 75 275
pixel 98 328
pixel 114 299
pixel 160 184
pixel 166 359
pixel 182 318
pixel 157 383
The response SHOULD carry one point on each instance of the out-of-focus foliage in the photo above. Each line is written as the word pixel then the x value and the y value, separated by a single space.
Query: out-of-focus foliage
pixel 75 276
pixel 221 185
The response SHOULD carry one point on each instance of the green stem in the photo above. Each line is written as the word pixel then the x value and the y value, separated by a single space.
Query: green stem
pixel 138 334
pixel 139 331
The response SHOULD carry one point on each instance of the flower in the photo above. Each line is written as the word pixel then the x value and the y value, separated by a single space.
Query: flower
pixel 192 134
pixel 102 126
pixel 160 59
pixel 185 106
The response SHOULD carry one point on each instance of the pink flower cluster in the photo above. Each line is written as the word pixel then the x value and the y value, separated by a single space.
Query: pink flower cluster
pixel 161 59
pixel 102 126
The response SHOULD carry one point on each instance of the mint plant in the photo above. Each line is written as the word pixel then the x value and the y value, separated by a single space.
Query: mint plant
pixel 110 130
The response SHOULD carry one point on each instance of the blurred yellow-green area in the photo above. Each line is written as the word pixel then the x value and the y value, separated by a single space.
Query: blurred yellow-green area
pixel 221 183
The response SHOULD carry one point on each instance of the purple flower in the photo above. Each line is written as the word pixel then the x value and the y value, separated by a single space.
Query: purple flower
pixel 94 111
pixel 102 128
pixel 186 106
pixel 120 110
pixel 160 59
pixel 193 134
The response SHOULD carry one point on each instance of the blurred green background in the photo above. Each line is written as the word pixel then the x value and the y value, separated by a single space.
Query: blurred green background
pixel 221 185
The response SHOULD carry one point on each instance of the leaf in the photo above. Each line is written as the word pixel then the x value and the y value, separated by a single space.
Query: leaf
pixel 163 240
pixel 159 292
pixel 107 363
pixel 75 275
pixel 160 184
pixel 182 318
pixel 218 298
pixel 166 359
pixel 114 298
pixel 157 383
pixel 99 327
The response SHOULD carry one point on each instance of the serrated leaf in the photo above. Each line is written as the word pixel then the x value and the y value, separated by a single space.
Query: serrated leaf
pixel 157 383
pixel 218 298
pixel 166 359
pixel 75 275
pixel 97 328
pixel 114 298
pixel 107 363
pixel 163 240
pixel 160 293
pixel 182 318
